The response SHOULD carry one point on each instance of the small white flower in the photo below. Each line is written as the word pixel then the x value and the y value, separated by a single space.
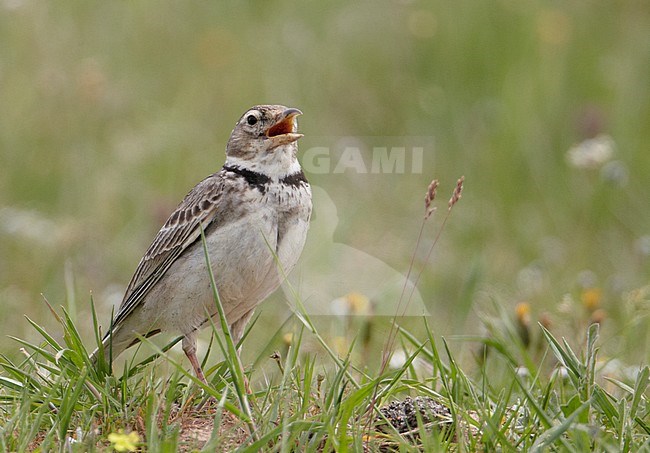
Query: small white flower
pixel 591 153
pixel 339 307
pixel 615 172
pixel 522 372
pixel 398 360
pixel 642 245
pixel 561 372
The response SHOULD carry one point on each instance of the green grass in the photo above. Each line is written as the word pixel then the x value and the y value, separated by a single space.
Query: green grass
pixel 53 399
pixel 113 110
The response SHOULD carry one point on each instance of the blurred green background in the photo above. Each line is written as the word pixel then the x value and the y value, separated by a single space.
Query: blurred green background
pixel 111 111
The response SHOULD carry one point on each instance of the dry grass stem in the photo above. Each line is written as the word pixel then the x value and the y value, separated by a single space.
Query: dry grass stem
pixel 404 300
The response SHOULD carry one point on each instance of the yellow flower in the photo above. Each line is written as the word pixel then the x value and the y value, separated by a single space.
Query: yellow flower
pixel 287 339
pixel 124 442
pixel 522 311
pixel 358 303
pixel 591 298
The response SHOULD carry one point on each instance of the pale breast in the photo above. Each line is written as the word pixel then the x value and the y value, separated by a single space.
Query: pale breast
pixel 250 255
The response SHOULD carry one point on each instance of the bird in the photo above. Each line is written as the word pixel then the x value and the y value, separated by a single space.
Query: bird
pixel 254 212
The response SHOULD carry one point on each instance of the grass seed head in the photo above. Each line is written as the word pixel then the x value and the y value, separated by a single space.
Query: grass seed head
pixel 458 191
pixel 428 199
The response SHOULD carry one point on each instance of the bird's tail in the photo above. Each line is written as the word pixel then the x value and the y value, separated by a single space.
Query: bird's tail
pixel 115 342
pixel 112 346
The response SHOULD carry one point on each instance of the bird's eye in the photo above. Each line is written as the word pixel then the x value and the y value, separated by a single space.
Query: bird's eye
pixel 251 119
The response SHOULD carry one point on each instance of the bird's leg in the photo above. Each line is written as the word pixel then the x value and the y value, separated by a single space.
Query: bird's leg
pixel 189 348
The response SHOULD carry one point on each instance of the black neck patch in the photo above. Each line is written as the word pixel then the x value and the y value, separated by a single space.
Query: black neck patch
pixel 295 179
pixel 259 180
pixel 253 178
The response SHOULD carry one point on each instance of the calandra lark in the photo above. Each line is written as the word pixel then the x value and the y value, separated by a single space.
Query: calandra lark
pixel 255 214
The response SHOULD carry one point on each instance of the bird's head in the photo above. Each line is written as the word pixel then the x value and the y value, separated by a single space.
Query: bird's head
pixel 264 130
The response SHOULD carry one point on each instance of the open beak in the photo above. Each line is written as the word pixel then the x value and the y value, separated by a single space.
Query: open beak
pixel 284 129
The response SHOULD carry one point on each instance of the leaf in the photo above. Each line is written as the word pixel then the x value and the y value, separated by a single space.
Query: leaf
pixel 11 383
pixel 639 389
pixel 548 437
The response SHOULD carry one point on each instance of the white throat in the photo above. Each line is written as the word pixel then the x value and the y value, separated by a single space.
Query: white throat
pixel 275 164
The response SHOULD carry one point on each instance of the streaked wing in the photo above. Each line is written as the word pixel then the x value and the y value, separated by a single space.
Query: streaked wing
pixel 182 229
